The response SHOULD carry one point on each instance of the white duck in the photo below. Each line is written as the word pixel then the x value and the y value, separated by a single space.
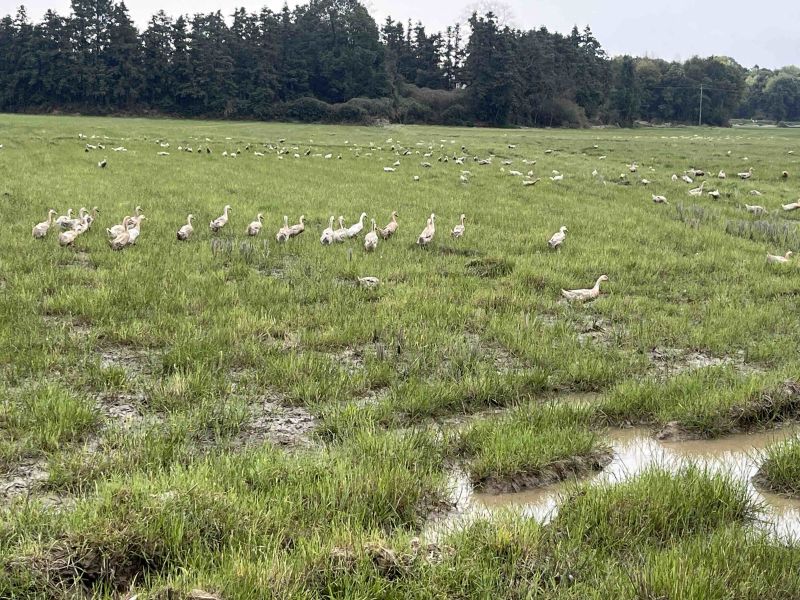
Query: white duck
pixel 67 238
pixel 698 191
pixel 721 175
pixel 558 238
pixel 185 232
pixel 747 174
pixel 391 227
pixel 217 224
pixel 779 260
pixel 791 206
pixel 326 239
pixel 133 232
pixel 63 220
pixel 124 238
pixel 756 209
pixel 340 235
pixel 660 199
pixel 295 230
pixel 714 194
pixel 371 239
pixel 427 234
pixel 356 228
pixel 584 295
pixel 40 230
pixel 254 228
pixel 458 230
pixel 283 232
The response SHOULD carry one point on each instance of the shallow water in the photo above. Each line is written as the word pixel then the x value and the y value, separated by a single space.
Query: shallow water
pixel 634 451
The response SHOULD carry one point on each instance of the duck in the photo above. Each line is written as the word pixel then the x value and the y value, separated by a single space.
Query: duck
pixel 755 209
pixel 674 177
pixel 369 282
pixel 785 175
pixel 124 238
pixel 356 228
pixel 714 194
pixel 427 234
pixel 185 232
pixel 458 230
pixel 779 260
pixel 283 232
pixel 67 238
pixel 391 227
pixel 40 229
pixel 371 239
pixel 217 224
pixel 133 232
pixel 296 230
pixel 90 217
pixel 64 220
pixel 747 174
pixel 687 179
pixel 255 227
pixel 698 191
pixel 584 295
pixel 660 199
pixel 73 223
pixel 721 175
pixel 558 238
pixel 340 235
pixel 326 239
pixel 791 206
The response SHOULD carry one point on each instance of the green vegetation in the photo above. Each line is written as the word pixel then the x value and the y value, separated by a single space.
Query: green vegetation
pixel 780 469
pixel 242 417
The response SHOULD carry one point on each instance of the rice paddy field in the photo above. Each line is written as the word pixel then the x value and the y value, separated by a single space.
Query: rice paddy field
pixel 230 417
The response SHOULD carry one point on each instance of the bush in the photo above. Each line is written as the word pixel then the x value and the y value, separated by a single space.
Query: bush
pixel 348 113
pixel 412 111
pixel 308 110
pixel 379 108
pixel 458 114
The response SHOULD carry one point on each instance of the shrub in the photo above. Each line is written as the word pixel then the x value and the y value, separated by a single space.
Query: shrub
pixel 308 110
pixel 458 114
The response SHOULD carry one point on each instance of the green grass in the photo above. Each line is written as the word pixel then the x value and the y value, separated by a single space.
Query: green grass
pixel 240 416
pixel 780 468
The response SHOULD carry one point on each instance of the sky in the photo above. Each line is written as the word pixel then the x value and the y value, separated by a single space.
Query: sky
pixel 764 33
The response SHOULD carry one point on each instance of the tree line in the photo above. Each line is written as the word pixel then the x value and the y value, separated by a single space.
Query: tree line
pixel 329 60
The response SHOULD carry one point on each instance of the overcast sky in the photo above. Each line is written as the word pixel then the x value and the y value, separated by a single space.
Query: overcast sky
pixel 763 33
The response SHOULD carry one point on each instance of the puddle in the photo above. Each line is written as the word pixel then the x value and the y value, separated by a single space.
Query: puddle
pixel 635 450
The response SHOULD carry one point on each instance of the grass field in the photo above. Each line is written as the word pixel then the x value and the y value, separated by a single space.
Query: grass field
pixel 239 416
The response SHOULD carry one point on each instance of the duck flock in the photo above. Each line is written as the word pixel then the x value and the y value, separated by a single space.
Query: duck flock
pixel 125 233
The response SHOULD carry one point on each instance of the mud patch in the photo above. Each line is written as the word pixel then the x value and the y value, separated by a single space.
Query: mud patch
pixel 278 424
pixel 80 260
pixel 23 480
pixel 133 361
pixel 122 409
pixel 562 470
pixel 594 330
pixel 499 356
pixel 489 267
pixel 77 327
pixel 669 362
pixel 351 360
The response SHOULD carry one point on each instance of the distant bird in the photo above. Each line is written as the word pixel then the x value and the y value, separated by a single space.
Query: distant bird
pixel 163 153
pixel 40 230
pixel 779 260
pixel 391 227
pixel 530 182
pixel 427 234
pixel 133 232
pixel 185 232
pixel 340 235
pixel 371 239
pixel 785 175
pixel 283 232
pixel 389 169
pixel 633 167
pixel 755 209
pixel 687 179
pixel 755 193
pixel 674 177
pixel 458 230
pixel 584 295
pixel 356 228
pixel 660 199
pixel 254 228
pixel 644 181
pixel 714 194
pixel 369 282
pixel 217 224
pixel 791 206
pixel 721 175
pixel 295 230
pixel 698 191
pixel 326 239
pixel 746 174
pixel 67 238
pixel 558 238
pixel 102 164
pixel 558 177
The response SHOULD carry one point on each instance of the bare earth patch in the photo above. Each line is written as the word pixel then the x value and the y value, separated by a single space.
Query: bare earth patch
pixel 674 361
pixel 122 409
pixel 22 479
pixel 278 424
pixel 133 361
pixel 75 327
pixel 498 355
